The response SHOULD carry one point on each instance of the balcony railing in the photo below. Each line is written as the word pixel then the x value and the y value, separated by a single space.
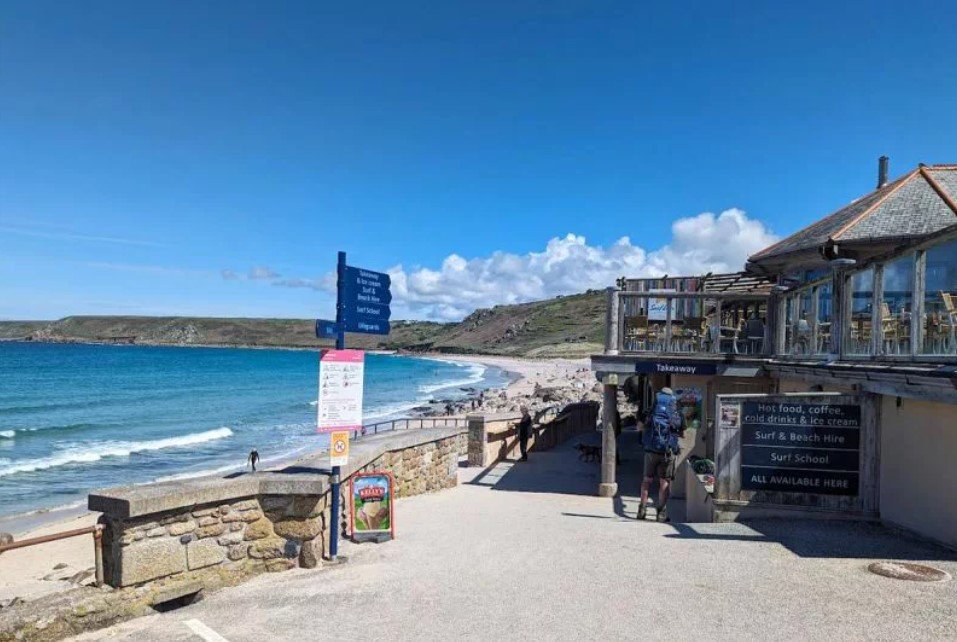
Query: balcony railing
pixel 689 323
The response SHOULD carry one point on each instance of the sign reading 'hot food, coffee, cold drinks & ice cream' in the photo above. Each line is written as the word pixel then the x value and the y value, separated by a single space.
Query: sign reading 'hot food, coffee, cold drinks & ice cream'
pixel 800 447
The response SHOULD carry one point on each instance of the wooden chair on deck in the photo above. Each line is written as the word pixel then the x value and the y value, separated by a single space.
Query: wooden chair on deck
pixel 636 332
pixel 950 312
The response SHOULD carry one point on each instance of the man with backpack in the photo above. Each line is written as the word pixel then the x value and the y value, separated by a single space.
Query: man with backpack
pixel 663 427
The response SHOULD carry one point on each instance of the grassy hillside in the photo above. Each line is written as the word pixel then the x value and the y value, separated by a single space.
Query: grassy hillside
pixel 564 326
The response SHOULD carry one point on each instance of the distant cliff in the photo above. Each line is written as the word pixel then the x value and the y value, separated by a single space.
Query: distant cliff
pixel 564 326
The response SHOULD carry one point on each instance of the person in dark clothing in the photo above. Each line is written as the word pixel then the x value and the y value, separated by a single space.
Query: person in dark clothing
pixel 253 458
pixel 664 426
pixel 524 432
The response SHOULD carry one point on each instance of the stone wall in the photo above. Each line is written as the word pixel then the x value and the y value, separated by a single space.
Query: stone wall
pixel 282 524
pixel 494 437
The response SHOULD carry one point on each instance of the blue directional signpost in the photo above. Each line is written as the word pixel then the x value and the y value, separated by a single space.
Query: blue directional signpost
pixel 362 305
pixel 365 299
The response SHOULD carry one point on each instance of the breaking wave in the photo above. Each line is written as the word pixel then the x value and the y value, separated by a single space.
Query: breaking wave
pixel 476 372
pixel 96 452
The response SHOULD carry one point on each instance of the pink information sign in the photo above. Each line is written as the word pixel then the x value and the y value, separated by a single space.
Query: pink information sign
pixel 340 390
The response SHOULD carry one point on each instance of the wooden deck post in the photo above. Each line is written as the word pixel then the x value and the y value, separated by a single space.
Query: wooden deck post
pixel 609 485
pixel 612 333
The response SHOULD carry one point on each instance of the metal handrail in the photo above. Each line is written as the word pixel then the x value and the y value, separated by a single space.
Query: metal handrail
pixel 412 423
pixel 96 531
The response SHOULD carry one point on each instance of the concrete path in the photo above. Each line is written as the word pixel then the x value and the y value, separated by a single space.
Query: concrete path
pixel 525 551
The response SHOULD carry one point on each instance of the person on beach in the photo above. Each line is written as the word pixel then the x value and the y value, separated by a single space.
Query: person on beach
pixel 659 438
pixel 524 431
pixel 253 458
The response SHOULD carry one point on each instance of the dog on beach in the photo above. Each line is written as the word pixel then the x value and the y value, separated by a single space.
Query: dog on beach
pixel 588 453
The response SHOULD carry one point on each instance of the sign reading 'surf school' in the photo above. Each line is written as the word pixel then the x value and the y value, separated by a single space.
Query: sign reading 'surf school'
pixel 800 447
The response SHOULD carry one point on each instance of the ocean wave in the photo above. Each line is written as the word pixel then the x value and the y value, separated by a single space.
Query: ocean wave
pixel 476 372
pixel 8 434
pixel 96 452
pixel 388 411
pixel 54 428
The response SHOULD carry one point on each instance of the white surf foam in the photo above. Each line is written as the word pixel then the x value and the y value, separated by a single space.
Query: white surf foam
pixel 476 372
pixel 97 451
pixel 8 434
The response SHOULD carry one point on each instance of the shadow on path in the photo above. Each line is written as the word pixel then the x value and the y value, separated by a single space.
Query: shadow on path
pixel 821 538
pixel 561 471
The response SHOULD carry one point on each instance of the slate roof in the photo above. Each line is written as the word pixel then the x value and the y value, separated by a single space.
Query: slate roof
pixel 918 203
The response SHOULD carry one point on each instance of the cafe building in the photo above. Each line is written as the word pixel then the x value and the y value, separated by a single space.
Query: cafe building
pixel 821 380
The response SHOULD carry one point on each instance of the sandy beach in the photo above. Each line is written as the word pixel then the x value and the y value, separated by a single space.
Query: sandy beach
pixel 30 572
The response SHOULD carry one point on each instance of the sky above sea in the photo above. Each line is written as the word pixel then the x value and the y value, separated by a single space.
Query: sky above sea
pixel 211 158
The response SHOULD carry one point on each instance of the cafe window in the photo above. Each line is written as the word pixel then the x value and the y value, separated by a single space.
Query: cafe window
pixel 790 308
pixel 862 302
pixel 825 312
pixel 802 323
pixel 897 304
pixel 940 300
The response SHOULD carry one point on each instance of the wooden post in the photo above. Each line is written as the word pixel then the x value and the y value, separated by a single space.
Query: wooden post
pixel 877 311
pixel 917 323
pixel 668 315
pixel 716 344
pixel 608 486
pixel 815 310
pixel 612 313
pixel 841 313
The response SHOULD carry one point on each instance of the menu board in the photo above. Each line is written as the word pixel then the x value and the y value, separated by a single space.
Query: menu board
pixel 800 447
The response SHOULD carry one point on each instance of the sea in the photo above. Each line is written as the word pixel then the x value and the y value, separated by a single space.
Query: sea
pixel 77 417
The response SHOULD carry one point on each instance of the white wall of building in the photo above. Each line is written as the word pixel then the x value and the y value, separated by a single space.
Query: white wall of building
pixel 919 467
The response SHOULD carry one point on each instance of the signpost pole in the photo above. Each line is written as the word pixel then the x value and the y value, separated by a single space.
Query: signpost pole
pixel 336 470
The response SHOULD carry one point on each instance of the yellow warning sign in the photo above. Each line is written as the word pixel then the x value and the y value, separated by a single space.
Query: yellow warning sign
pixel 339 448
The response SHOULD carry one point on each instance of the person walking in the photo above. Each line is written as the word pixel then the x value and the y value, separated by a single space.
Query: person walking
pixel 253 458
pixel 659 438
pixel 524 431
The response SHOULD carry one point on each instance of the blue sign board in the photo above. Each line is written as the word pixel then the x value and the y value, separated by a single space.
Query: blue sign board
pixel 325 329
pixel 364 301
pixel 365 325
pixel 364 286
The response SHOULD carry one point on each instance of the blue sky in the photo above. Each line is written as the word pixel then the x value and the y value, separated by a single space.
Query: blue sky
pixel 211 158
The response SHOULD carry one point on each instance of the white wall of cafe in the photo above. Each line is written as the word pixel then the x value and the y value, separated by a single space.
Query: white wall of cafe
pixel 918 487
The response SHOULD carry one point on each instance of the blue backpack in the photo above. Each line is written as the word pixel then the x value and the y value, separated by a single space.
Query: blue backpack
pixel 660 433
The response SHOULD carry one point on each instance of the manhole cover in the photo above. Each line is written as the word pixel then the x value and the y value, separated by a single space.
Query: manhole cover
pixel 908 571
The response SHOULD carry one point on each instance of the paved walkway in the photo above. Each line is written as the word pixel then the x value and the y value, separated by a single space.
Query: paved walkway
pixel 525 551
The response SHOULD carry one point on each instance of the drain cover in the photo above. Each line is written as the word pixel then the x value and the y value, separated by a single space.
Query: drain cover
pixel 908 571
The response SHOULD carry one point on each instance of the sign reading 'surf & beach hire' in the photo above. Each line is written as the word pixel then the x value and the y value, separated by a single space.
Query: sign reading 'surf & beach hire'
pixel 800 447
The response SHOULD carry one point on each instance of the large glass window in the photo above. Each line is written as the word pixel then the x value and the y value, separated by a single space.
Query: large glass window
pixel 940 300
pixel 790 313
pixel 897 305
pixel 802 320
pixel 862 300
pixel 825 312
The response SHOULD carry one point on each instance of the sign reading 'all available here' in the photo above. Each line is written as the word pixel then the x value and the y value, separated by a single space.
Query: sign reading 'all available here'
pixel 800 447
pixel 340 390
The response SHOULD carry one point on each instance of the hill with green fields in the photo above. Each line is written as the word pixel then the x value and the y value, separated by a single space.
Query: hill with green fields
pixel 563 326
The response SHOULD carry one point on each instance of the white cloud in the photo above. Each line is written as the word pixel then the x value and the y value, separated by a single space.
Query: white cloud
pixel 262 273
pixel 567 265
pixel 699 244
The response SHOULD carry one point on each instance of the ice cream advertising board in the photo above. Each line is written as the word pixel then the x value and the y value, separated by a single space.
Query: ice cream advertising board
pixel 340 390
pixel 371 514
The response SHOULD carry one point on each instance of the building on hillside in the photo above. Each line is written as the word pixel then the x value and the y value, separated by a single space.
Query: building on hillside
pixel 822 380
